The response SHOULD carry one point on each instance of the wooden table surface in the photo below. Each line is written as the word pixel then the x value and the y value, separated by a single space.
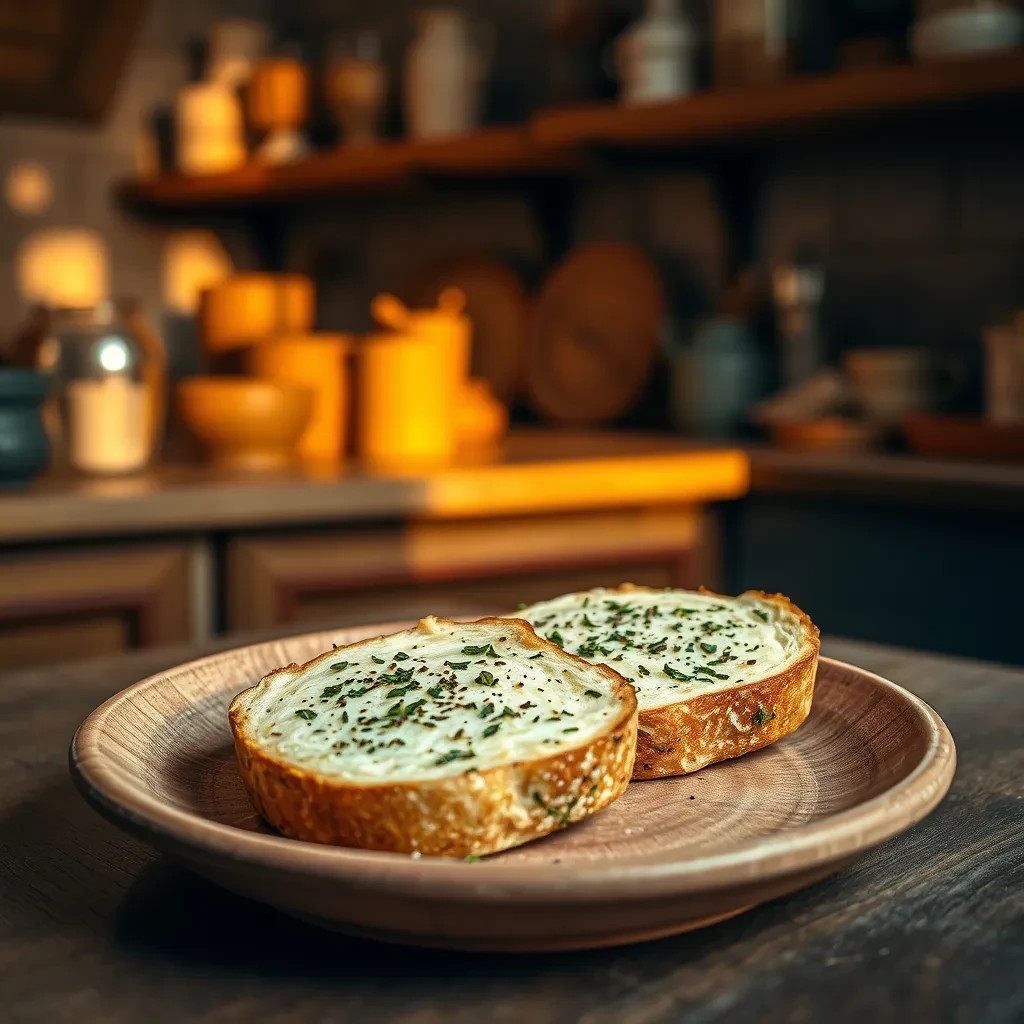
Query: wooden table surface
pixel 929 927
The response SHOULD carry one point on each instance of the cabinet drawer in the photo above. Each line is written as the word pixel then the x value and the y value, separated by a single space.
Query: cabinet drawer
pixel 60 604
pixel 458 568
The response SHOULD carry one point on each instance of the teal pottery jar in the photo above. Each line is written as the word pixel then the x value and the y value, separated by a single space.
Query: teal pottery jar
pixel 24 444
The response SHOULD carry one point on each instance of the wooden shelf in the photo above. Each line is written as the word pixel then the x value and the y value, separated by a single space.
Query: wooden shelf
pixel 556 143
pixel 491 153
pixel 749 115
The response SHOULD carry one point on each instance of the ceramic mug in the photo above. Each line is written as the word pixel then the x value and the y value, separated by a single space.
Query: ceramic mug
pixel 890 383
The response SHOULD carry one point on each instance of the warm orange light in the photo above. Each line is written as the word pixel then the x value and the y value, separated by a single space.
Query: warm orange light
pixel 63 268
pixel 603 483
pixel 193 261
pixel 28 188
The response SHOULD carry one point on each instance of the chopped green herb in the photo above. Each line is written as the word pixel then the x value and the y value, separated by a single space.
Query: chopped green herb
pixel 400 676
pixel 485 678
pixel 492 729
pixel 592 693
pixel 401 656
pixel 658 647
pixel 487 650
pixel 763 616
pixel 455 755
pixel 674 673
pixel 704 670
pixel 556 638
pixel 643 671
pixel 586 622
pixel 458 665
pixel 331 691
pixel 761 716
pixel 534 657
pixel 306 714
pixel 379 661
pixel 339 666
pixel 507 712
pixel 400 691
pixel 399 710
pixel 708 648
pixel 486 710
pixel 435 691
pixel 572 728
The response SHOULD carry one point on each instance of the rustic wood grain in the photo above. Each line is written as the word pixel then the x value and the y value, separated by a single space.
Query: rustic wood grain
pixel 928 927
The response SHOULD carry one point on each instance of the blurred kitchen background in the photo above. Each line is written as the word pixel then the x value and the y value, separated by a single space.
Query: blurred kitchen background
pixel 324 312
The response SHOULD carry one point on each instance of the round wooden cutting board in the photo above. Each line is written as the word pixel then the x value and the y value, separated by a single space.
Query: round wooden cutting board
pixel 496 304
pixel 594 334
pixel 669 856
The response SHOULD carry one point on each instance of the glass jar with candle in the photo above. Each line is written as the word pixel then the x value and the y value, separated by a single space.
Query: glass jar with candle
pixel 108 370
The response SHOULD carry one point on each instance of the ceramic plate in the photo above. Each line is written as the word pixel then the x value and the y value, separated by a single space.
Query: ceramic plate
pixel 670 855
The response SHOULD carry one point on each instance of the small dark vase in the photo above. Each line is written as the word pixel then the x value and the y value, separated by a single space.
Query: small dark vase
pixel 24 445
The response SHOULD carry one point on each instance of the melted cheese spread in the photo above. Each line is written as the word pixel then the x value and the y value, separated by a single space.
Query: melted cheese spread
pixel 434 701
pixel 672 644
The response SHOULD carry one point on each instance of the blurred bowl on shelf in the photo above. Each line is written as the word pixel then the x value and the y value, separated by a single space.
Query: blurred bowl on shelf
pixel 829 434
pixel 969 29
pixel 248 308
pixel 245 423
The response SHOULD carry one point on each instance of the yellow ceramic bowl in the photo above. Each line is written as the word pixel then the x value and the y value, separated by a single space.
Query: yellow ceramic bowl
pixel 244 423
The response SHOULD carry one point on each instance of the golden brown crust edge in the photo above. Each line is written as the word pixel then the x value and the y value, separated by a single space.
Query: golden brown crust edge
pixel 680 738
pixel 461 815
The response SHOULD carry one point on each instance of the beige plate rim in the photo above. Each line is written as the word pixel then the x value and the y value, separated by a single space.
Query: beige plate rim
pixel 115 794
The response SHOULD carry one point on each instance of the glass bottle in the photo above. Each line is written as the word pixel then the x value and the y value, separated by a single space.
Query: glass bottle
pixel 107 413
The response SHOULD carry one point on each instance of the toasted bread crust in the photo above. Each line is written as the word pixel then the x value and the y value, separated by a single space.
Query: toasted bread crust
pixel 469 814
pixel 679 738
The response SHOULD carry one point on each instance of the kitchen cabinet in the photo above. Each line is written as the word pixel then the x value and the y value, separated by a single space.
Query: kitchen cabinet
pixel 945 579
pixel 58 604
pixel 400 571
pixel 98 566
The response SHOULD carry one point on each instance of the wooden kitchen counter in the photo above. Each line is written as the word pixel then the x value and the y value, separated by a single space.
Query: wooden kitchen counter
pixel 930 926
pixel 903 479
pixel 538 471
